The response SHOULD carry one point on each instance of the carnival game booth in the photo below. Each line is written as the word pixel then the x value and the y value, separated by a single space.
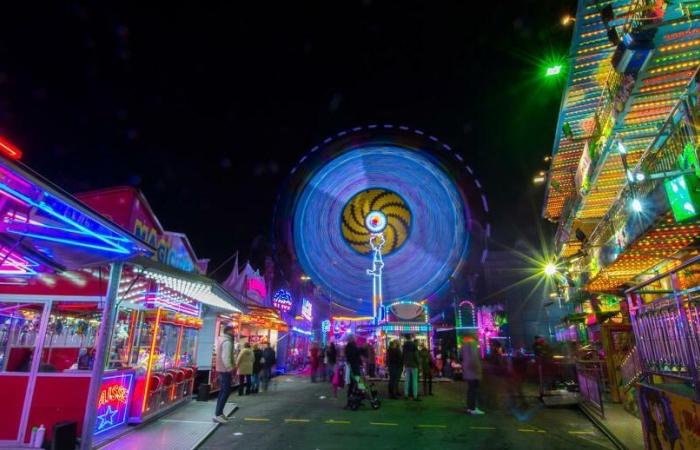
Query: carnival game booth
pixel 256 325
pixel 58 279
pixel 162 300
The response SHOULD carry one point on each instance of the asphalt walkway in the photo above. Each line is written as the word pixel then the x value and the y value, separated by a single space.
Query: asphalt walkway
pixel 297 414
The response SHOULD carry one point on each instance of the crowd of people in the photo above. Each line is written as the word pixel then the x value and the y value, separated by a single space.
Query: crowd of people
pixel 347 367
pixel 252 364
pixel 412 359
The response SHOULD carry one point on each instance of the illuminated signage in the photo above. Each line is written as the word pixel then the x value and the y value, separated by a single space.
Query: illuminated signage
pixel 306 309
pixel 113 402
pixel 170 248
pixel 282 300
pixel 326 326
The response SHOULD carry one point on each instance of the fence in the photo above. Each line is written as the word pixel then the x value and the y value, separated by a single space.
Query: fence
pixel 665 313
pixel 631 368
pixel 591 382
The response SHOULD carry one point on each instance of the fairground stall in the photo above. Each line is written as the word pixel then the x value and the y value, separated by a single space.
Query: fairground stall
pixel 259 325
pixel 299 336
pixel 161 304
pixel 57 294
pixel 493 329
pixel 404 318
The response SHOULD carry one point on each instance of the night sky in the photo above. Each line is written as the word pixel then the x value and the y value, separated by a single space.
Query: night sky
pixel 207 108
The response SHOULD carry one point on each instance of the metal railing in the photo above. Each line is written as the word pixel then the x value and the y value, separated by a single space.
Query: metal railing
pixel 591 381
pixel 660 156
pixel 665 315
pixel 631 369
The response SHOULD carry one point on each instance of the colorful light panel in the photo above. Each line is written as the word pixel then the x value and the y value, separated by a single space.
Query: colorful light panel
pixel 683 196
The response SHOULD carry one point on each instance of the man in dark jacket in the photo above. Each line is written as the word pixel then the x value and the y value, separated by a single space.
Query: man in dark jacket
pixel 394 361
pixel 410 364
pixel 332 358
pixel 270 360
pixel 426 369
pixel 257 367
pixel 352 357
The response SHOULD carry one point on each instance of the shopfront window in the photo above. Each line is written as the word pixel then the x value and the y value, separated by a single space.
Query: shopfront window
pixel 19 331
pixel 122 339
pixel 189 347
pixel 144 330
pixel 71 333
pixel 168 347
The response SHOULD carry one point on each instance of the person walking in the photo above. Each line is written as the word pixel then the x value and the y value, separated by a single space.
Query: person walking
pixel 332 358
pixel 471 372
pixel 426 369
pixel 224 370
pixel 394 361
pixel 410 364
pixel 315 358
pixel 270 360
pixel 244 362
pixel 353 360
pixel 371 359
pixel 257 367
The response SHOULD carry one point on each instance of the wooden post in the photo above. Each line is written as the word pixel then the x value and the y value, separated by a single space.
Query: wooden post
pixel 101 352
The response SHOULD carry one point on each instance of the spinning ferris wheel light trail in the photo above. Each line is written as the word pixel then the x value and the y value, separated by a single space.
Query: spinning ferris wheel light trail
pixel 375 223
pixel 375 196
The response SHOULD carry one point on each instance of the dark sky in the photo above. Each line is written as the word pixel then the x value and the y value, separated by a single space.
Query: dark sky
pixel 207 107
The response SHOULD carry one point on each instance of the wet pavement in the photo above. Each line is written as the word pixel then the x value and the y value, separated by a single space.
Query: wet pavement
pixel 297 414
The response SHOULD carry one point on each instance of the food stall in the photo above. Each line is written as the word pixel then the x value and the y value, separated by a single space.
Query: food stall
pixel 60 260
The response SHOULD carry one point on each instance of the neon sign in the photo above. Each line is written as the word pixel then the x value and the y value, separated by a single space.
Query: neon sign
pixel 282 300
pixel 113 402
pixel 306 309
pixel 170 247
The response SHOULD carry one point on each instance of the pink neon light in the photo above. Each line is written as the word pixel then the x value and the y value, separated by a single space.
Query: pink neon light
pixel 258 286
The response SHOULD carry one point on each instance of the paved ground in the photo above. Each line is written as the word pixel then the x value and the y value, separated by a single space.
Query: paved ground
pixel 302 415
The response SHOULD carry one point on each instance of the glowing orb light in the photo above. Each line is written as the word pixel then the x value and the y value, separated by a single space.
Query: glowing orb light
pixel 550 269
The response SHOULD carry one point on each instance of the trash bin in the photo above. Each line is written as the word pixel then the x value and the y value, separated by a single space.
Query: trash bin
pixel 65 435
pixel 203 392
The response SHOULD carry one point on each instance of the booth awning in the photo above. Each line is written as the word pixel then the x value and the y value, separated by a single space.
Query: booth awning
pixel 189 284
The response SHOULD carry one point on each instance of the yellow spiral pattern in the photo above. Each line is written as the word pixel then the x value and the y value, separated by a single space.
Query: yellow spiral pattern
pixel 397 214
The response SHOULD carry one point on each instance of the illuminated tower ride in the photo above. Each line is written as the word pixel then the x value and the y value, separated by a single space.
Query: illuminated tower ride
pixel 375 223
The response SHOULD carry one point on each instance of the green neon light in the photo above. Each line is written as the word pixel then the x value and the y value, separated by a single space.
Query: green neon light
pixel 553 70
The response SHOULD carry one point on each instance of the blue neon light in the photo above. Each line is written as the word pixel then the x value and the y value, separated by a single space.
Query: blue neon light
pixel 71 242
pixel 299 330
pixel 51 210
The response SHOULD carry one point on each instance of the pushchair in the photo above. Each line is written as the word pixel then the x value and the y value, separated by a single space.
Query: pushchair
pixel 362 390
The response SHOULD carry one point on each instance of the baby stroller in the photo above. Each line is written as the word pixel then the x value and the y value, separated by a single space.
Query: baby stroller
pixel 361 390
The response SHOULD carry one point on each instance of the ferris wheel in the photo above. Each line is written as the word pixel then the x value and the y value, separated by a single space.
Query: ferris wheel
pixel 382 210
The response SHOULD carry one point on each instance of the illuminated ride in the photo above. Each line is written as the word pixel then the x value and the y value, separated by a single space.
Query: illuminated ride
pixel 390 202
